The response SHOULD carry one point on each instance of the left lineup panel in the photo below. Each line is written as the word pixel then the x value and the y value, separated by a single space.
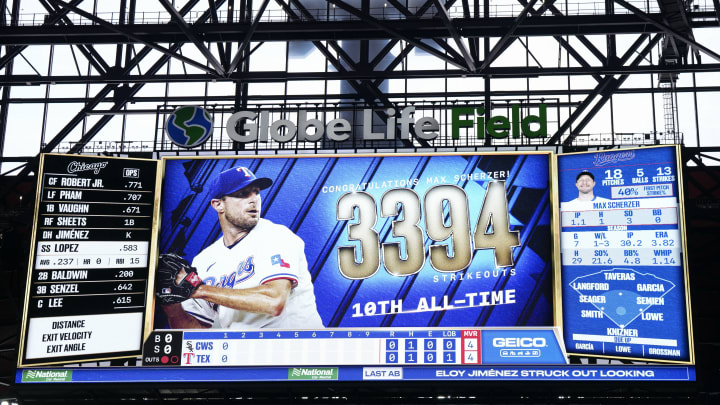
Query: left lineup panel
pixel 88 272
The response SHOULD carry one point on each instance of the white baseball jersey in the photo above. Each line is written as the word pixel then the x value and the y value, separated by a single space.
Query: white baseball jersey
pixel 269 252
pixel 578 205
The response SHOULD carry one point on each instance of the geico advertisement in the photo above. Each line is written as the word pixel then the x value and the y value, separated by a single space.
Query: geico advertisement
pixel 355 241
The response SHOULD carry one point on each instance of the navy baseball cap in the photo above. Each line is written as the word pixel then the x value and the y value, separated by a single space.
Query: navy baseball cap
pixel 584 173
pixel 234 179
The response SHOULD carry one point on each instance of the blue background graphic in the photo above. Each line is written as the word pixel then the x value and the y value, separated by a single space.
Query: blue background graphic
pixel 302 198
pixel 674 324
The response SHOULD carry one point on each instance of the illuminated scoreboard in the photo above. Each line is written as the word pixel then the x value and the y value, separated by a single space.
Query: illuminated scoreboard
pixel 88 277
pixel 623 275
pixel 347 347
pixel 416 266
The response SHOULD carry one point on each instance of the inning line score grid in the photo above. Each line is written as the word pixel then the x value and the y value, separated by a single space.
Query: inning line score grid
pixel 347 347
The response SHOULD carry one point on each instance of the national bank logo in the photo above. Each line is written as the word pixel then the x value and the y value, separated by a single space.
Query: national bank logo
pixel 47 375
pixel 189 126
pixel 327 373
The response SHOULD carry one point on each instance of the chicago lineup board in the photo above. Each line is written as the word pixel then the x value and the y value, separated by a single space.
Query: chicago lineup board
pixel 432 260
pixel 86 294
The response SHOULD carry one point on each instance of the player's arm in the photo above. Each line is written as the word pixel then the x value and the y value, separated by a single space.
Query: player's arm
pixel 269 298
pixel 179 319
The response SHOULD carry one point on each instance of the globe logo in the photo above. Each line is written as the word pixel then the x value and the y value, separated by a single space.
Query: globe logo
pixel 189 126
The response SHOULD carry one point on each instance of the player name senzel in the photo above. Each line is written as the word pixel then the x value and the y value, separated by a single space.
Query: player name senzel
pixel 622 332
pixel 74 208
pixel 69 275
pixel 64 289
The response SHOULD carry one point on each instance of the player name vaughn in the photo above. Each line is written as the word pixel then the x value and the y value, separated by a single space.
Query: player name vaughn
pixel 429 304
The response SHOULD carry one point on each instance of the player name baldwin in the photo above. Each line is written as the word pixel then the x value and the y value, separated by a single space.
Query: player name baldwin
pixel 433 303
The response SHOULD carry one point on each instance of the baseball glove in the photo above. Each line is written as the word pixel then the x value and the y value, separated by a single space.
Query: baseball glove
pixel 169 291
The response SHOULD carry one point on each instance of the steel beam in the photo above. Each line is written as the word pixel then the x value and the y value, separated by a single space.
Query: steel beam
pixel 646 17
pixel 455 35
pixel 366 89
pixel 466 95
pixel 129 34
pixel 603 87
pixel 276 76
pixel 185 28
pixel 99 97
pixel 53 18
pixel 550 5
pixel 396 33
pixel 500 45
pixel 5 95
pixel 270 31
pixel 88 51
pixel 248 37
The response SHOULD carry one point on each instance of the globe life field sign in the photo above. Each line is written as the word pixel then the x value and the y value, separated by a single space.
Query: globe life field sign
pixel 189 126
pixel 257 126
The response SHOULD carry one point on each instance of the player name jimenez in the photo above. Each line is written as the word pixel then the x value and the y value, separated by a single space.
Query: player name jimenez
pixel 429 304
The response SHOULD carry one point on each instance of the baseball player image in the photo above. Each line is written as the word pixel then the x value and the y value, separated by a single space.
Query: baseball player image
pixel 255 276
pixel 585 183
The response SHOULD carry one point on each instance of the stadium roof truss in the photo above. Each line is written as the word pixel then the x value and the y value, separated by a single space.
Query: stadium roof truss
pixel 468 37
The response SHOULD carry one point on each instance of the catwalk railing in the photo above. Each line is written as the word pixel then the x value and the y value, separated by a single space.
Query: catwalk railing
pixel 583 140
pixel 500 8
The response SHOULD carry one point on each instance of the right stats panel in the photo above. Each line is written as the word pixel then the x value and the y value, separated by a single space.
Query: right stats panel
pixel 623 272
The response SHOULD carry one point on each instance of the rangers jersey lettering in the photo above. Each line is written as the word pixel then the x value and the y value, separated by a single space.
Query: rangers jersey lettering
pixel 269 252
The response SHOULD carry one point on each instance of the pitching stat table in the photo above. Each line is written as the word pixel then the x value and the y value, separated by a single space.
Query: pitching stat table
pixel 89 272
pixel 622 263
